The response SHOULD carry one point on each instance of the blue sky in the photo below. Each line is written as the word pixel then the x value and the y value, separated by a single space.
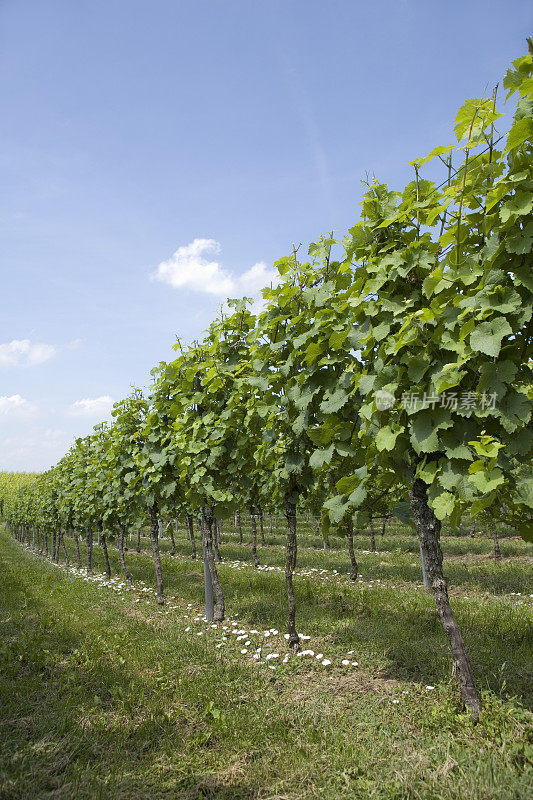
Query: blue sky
pixel 195 140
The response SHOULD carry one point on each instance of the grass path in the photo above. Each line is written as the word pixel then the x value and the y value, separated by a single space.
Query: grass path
pixel 386 617
pixel 104 696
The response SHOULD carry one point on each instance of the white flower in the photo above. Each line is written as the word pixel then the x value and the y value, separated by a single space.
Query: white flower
pixel 326 662
pixel 345 662
pixel 272 655
pixel 244 650
pixel 395 702
pixel 319 656
pixel 430 687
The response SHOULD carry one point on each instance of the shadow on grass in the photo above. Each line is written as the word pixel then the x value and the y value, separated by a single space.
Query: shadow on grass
pixel 76 723
pixel 400 636
pixel 396 632
pixel 489 576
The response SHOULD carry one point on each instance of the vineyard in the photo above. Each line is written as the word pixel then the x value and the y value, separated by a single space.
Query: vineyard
pixel 239 583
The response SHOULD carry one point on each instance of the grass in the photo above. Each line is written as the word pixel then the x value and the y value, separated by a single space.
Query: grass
pixel 103 695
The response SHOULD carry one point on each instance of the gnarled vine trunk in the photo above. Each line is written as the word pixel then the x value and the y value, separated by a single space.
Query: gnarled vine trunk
pixel 65 551
pixel 428 528
pixel 190 526
pixel 262 527
pixel 216 540
pixel 172 540
pixel 291 551
pixel 253 523
pixel 121 535
pixel 208 521
pixel 89 544
pixel 497 553
pixel 77 543
pixel 353 560
pixel 154 539
pixel 102 539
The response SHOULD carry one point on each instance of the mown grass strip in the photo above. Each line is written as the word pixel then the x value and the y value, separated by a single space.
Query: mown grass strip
pixel 103 699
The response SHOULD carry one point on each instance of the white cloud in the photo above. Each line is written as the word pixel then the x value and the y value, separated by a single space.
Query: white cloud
pixel 189 268
pixel 257 277
pixel 15 405
pixel 91 406
pixel 23 353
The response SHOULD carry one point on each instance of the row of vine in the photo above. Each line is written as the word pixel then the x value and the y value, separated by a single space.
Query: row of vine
pixel 390 368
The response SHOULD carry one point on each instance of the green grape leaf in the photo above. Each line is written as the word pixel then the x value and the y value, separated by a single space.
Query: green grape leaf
pixel 386 438
pixel 486 480
pixel 519 205
pixel 321 457
pixel 521 132
pixel 487 336
pixel 334 401
pixel 443 505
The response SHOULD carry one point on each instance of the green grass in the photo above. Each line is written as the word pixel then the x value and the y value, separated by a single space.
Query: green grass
pixel 105 697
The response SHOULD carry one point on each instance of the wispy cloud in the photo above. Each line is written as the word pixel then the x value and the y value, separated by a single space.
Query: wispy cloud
pixel 15 406
pixel 91 407
pixel 192 268
pixel 24 353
